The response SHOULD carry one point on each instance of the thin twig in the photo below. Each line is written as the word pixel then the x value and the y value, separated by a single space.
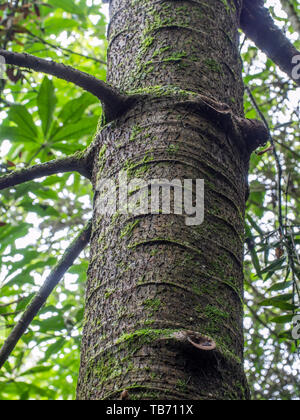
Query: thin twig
pixel 35 155
pixel 67 164
pixel 4 305
pixel 42 295
pixel 66 50
pixel 277 160
pixel 114 103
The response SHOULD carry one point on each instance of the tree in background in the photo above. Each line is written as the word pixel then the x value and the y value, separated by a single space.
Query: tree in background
pixel 181 313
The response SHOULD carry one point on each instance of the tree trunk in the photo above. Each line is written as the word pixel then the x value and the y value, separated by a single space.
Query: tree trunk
pixel 163 315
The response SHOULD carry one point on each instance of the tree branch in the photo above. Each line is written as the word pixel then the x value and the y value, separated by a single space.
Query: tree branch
pixel 259 26
pixel 42 295
pixel 68 164
pixel 114 103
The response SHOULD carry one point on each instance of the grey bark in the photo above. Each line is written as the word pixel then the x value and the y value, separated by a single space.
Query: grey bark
pixel 164 301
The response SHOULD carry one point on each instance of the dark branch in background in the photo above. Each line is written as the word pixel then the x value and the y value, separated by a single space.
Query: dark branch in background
pixel 259 26
pixel 113 102
pixel 42 295
pixel 68 164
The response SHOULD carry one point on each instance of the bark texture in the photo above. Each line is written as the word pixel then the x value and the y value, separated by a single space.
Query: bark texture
pixel 163 316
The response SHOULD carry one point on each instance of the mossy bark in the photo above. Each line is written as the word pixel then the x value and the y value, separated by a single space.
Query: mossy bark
pixel 155 285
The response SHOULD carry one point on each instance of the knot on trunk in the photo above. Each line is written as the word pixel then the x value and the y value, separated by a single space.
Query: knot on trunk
pixel 198 340
pixel 254 132
pixel 247 134
pixel 202 342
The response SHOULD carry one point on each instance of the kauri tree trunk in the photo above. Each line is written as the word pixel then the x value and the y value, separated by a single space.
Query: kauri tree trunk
pixel 164 300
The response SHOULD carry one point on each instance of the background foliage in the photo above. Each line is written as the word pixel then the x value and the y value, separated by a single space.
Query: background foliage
pixel 43 118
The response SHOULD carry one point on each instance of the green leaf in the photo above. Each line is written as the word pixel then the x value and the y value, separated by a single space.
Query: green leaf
pixel 46 101
pixel 55 25
pixel 255 262
pixel 55 323
pixel 54 349
pixel 9 234
pixel 87 126
pixel 46 194
pixel 286 335
pixel 255 225
pixel 254 256
pixel 276 265
pixel 36 369
pixel 279 298
pixel 25 395
pixel 42 210
pixel 67 5
pixel 280 286
pixel 16 135
pixel 73 110
pixel 19 280
pixel 19 115
pixel 280 301
pixel 284 319
pixel 285 306
pixel 24 302
pixel 79 269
